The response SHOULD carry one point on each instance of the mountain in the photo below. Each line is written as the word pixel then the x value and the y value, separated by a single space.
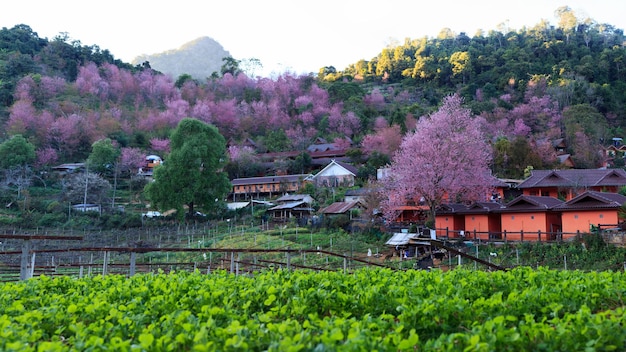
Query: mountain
pixel 198 58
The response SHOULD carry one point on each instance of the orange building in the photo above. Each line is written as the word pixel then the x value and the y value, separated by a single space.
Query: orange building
pixel 482 220
pixel 449 221
pixel 567 184
pixel 590 208
pixel 525 217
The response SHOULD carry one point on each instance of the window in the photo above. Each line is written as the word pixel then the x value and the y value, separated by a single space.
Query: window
pixel 512 217
pixel 601 216
pixel 532 217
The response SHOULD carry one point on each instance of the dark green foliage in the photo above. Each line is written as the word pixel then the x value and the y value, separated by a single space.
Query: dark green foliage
pixel 16 152
pixel 192 175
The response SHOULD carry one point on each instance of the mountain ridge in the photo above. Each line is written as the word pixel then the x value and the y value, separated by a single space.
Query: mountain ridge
pixel 198 58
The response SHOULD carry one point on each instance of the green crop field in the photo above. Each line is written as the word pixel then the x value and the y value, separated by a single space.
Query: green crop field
pixel 522 309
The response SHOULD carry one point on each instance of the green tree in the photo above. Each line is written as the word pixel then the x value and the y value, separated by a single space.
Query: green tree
pixel 103 157
pixel 16 152
pixel 192 173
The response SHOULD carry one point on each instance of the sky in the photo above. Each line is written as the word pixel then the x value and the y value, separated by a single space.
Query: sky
pixel 298 36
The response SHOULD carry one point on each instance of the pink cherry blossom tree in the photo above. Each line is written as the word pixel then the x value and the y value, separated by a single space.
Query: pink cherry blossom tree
pixel 446 159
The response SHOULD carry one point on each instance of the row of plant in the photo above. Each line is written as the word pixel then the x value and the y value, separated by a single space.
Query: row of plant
pixel 370 309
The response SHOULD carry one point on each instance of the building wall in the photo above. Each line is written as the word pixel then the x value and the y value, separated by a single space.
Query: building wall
pixel 449 225
pixel 574 221
pixel 529 223
pixel 478 223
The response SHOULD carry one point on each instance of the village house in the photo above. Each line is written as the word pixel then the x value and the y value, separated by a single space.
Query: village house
pixel 590 209
pixel 526 217
pixel 351 209
pixel 336 174
pixel 294 206
pixel 267 186
pixel 567 184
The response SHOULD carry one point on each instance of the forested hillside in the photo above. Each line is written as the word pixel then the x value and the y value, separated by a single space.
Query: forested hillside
pixel 529 86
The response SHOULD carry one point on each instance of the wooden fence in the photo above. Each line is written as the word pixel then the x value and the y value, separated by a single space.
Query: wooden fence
pixel 127 261
pixel 523 236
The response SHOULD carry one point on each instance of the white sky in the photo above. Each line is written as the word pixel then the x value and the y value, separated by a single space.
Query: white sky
pixel 296 35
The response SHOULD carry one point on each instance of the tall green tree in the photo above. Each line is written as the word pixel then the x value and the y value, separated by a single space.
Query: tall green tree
pixel 16 152
pixel 192 174
pixel 103 157
pixel 16 156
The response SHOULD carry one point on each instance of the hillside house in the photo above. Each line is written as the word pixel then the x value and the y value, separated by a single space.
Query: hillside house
pixel 353 195
pixel 68 168
pixel 336 174
pixel 482 218
pixel 530 215
pixel 590 208
pixel 295 206
pixel 449 220
pixel 567 184
pixel 267 186
pixel 343 208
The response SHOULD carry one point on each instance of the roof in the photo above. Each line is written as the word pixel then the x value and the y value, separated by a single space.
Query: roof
pixel 532 203
pixel 594 200
pixel 333 163
pixel 340 207
pixel 300 205
pixel 450 208
pixel 321 147
pixel 482 207
pixel 268 179
pixel 356 192
pixel 400 239
pixel 237 205
pixel 575 178
pixel 69 166
pixel 295 197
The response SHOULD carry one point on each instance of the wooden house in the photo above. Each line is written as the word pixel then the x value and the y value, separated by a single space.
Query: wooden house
pixel 590 208
pixel 266 186
pixel 567 184
pixel 525 217
pixel 296 206
pixel 351 209
pixel 336 174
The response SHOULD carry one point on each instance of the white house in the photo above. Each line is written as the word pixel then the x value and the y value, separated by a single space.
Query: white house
pixel 335 174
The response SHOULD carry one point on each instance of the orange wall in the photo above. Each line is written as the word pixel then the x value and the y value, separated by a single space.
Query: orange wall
pixel 581 220
pixel 478 223
pixel 567 193
pixel 449 221
pixel 514 223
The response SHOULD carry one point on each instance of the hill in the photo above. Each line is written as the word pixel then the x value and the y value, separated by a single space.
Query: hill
pixel 198 58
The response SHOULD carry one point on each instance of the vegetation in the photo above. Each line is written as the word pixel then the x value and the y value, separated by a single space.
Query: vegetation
pixel 193 174
pixel 371 309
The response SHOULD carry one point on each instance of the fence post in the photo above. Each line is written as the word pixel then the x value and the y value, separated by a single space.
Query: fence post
pixel 521 234
pixel 288 259
pixel 232 262
pixel 133 260
pixel 104 263
pixel 24 272
pixel 539 235
pixel 237 264
pixel 505 241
